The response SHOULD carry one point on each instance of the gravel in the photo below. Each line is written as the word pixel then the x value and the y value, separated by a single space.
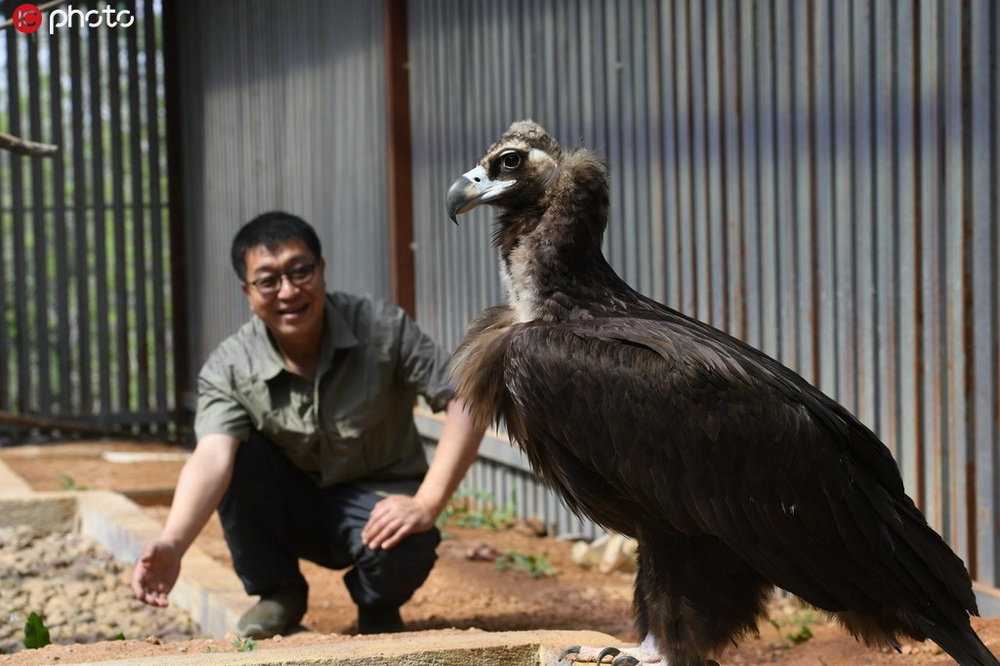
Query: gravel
pixel 80 591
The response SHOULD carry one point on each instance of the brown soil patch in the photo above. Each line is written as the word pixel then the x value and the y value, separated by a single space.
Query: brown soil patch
pixel 461 594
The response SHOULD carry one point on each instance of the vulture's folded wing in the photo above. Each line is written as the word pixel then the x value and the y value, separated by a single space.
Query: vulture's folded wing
pixel 637 425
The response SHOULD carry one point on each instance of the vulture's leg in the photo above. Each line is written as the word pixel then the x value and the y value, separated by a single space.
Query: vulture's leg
pixel 695 596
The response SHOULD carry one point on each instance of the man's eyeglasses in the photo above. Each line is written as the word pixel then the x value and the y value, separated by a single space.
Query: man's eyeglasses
pixel 271 284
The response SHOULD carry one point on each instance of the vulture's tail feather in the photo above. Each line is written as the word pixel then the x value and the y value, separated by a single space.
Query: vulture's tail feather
pixel 962 644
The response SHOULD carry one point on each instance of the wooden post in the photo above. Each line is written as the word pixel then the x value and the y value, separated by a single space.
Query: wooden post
pixel 400 152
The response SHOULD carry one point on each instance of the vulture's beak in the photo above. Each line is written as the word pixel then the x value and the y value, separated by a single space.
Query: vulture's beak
pixel 471 189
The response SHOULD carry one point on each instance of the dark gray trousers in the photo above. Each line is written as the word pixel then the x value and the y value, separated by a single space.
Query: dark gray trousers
pixel 274 513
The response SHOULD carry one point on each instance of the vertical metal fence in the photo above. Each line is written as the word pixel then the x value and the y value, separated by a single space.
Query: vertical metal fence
pixel 85 299
pixel 818 178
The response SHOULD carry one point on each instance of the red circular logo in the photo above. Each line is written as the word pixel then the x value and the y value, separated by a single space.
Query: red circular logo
pixel 27 18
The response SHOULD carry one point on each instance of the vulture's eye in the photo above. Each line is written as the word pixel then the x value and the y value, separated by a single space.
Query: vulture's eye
pixel 510 161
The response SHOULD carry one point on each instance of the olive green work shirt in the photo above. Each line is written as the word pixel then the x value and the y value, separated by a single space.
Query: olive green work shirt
pixel 355 421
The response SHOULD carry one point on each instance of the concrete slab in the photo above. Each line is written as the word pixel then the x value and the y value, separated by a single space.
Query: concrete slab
pixel 515 648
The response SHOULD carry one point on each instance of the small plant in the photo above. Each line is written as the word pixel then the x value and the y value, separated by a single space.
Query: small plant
pixel 800 636
pixel 36 634
pixel 802 620
pixel 534 566
pixel 245 644
pixel 118 637
pixel 477 509
pixel 68 483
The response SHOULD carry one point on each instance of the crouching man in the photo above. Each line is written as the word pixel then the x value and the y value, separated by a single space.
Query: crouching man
pixel 306 443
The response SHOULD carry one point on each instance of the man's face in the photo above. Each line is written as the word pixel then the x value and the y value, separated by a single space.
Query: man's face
pixel 295 305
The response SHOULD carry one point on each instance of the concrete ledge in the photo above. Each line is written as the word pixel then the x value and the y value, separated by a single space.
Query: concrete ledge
pixel 44 513
pixel 515 648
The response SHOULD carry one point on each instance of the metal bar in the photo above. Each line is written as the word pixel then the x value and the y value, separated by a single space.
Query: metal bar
pixel 60 231
pixel 120 312
pixel 138 338
pixel 20 363
pixel 158 289
pixel 35 278
pixel 98 246
pixel 81 223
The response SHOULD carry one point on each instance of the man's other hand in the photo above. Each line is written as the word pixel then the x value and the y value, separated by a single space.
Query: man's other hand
pixel 395 518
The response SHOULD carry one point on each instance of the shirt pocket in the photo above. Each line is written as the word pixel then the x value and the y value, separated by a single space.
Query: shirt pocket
pixel 256 399
pixel 355 424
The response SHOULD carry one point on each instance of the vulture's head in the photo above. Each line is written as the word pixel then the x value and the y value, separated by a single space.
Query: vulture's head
pixel 539 188
pixel 515 172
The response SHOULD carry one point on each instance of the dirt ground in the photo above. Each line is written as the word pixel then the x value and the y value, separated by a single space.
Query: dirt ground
pixel 462 593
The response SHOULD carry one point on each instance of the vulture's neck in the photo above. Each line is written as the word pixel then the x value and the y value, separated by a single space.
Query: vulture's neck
pixel 551 261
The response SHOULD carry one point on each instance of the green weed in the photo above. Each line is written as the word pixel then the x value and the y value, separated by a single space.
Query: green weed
pixel 477 509
pixel 800 632
pixel 245 644
pixel 36 634
pixel 534 566
pixel 68 483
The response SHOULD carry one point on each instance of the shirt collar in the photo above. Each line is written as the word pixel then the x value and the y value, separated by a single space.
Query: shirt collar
pixel 270 359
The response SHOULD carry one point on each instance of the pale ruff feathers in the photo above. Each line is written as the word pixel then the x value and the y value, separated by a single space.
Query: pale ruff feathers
pixel 522 290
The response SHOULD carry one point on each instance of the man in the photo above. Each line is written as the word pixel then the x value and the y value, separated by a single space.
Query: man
pixel 306 443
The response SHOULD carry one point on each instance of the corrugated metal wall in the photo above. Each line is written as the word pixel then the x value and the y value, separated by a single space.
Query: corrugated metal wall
pixel 817 178
pixel 283 107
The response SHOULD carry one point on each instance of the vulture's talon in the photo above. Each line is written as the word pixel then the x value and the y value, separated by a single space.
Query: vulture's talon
pixel 608 652
pixel 626 660
pixel 572 649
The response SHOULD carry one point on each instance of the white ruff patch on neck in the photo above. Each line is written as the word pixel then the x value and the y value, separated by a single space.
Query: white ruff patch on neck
pixel 522 292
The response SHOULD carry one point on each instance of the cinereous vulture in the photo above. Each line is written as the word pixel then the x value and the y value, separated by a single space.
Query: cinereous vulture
pixel 734 474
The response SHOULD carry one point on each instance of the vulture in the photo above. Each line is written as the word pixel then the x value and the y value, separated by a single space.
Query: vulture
pixel 733 473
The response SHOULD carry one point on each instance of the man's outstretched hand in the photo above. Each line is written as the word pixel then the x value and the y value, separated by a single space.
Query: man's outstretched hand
pixel 156 572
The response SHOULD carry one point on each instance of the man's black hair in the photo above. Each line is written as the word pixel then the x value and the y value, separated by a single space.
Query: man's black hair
pixel 270 229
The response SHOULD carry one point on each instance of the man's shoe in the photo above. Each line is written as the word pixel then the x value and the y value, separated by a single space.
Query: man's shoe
pixel 379 621
pixel 274 614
